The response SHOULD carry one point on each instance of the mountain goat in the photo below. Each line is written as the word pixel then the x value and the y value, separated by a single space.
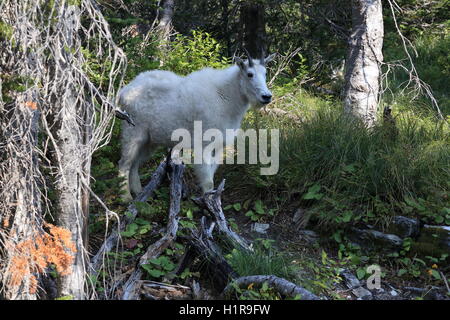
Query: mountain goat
pixel 160 102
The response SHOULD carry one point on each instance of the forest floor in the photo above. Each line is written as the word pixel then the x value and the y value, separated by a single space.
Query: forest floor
pixel 306 257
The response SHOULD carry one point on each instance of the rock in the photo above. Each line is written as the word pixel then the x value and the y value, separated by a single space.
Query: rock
pixel 404 227
pixel 376 240
pixel 351 281
pixel 300 218
pixel 433 241
pixel 298 214
pixel 430 293
pixel 362 293
pixel 386 296
pixel 308 236
pixel 260 227
pixel 393 293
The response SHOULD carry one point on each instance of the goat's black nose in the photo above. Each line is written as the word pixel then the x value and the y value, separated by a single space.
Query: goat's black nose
pixel 267 97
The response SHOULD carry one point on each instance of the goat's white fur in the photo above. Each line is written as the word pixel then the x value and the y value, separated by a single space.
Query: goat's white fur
pixel 160 102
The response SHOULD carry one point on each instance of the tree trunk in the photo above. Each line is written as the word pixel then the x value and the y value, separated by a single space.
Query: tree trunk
pixel 73 161
pixel 364 58
pixel 254 28
pixel 225 21
pixel 165 23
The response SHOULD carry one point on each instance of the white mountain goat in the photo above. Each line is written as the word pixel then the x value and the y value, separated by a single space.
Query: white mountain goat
pixel 160 102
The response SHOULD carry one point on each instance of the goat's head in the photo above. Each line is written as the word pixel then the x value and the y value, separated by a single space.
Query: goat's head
pixel 253 79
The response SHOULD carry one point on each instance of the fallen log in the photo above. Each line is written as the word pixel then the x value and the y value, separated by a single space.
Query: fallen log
pixel 153 290
pixel 133 284
pixel 286 288
pixel 112 240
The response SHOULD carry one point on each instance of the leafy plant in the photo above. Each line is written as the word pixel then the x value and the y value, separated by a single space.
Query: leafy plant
pixel 263 292
pixel 136 229
pixel 159 267
pixel 191 53
pixel 259 212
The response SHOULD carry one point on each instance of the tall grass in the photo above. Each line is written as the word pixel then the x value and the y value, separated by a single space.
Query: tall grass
pixel 260 261
pixel 366 173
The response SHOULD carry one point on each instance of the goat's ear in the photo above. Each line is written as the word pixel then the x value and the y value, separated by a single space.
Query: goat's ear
pixel 240 63
pixel 269 58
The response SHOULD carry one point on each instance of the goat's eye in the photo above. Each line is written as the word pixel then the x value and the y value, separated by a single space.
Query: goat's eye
pixel 250 75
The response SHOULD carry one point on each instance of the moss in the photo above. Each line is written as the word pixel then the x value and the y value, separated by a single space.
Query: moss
pixel 432 242
pixel 74 3
pixel 6 31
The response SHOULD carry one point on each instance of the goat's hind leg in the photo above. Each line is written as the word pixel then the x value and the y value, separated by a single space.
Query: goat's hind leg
pixel 135 182
pixel 132 142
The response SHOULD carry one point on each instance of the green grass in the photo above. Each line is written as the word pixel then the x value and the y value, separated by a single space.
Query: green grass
pixel 261 261
pixel 361 175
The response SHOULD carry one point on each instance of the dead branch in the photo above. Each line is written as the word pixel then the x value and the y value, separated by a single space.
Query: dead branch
pixel 419 86
pixel 212 202
pixel 286 288
pixel 163 291
pixel 202 245
pixel 132 286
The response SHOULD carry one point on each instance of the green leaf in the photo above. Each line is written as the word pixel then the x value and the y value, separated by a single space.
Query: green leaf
pixel 155 273
pixel 313 193
pixel 360 273
pixel 401 272
pixel 436 274
pixel 259 208
pixel 146 209
pixel 337 237
pixel 155 261
pixel 237 206
pixel 142 222
pixel 130 231
pixel 144 230
pixel 347 216
pixel 249 214
pixel 189 214
pixel 439 219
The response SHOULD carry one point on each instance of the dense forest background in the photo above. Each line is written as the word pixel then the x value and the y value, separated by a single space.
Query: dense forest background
pixel 341 188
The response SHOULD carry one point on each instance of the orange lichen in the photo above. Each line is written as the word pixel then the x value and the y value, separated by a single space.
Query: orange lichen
pixel 31 104
pixel 34 256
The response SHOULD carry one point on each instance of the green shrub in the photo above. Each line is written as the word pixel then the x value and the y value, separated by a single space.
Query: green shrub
pixel 432 64
pixel 191 53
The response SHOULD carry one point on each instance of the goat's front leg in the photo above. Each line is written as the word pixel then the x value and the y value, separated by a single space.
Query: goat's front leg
pixel 205 176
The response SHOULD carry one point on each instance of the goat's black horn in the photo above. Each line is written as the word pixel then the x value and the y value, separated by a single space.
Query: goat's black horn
pixel 250 60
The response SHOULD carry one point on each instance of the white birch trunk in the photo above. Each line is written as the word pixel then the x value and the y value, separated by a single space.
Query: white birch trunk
pixel 363 62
